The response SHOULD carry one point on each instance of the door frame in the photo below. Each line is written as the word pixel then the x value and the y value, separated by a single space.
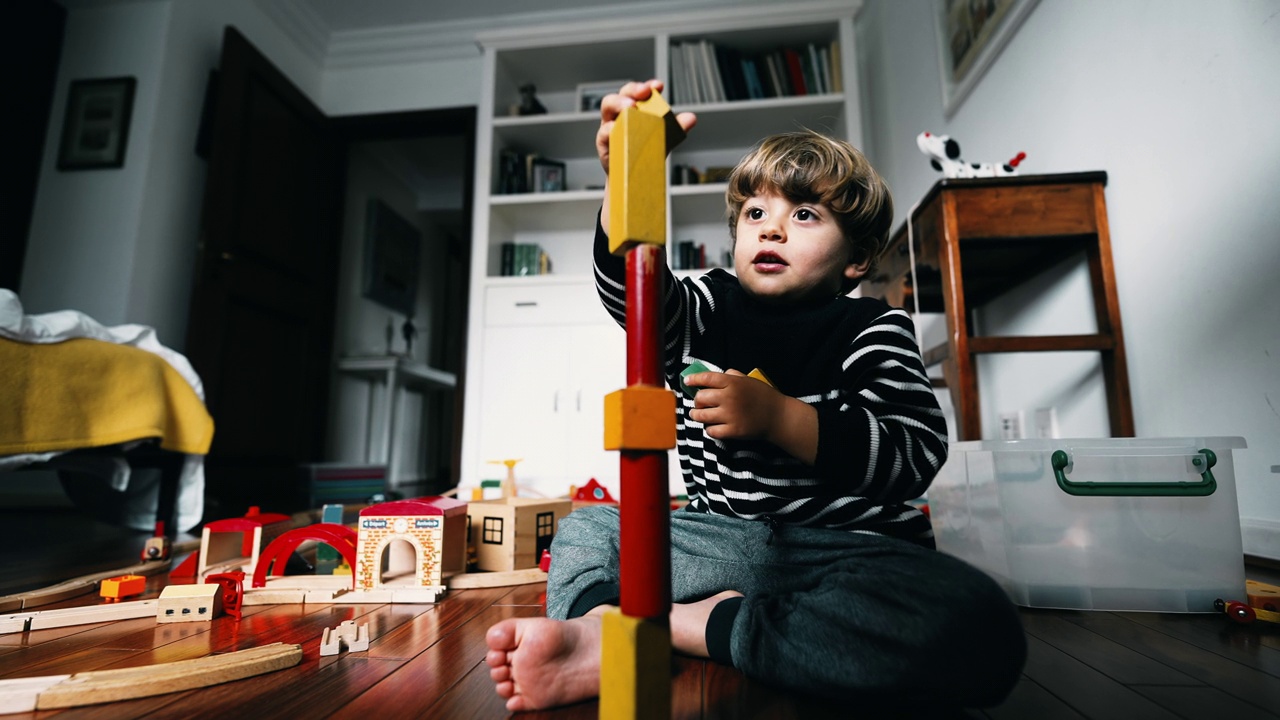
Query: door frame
pixel 409 125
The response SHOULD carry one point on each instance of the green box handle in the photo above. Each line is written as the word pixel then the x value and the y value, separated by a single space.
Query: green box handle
pixel 1206 486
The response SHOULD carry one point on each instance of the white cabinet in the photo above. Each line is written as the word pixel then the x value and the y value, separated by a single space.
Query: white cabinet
pixel 536 374
pixel 551 355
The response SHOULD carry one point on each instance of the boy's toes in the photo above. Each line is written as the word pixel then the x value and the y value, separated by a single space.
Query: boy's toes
pixel 501 673
pixel 496 658
pixel 502 636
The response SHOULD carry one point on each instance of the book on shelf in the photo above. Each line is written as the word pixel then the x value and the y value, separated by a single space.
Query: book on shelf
pixel 688 255
pixel 521 259
pixel 520 172
pixel 703 71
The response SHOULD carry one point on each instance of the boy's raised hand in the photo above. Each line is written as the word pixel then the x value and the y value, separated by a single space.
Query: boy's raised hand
pixel 628 95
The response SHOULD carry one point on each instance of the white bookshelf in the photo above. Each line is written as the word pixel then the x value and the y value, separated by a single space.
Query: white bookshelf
pixel 557 61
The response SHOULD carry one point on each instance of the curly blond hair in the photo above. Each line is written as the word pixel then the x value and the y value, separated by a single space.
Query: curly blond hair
pixel 809 167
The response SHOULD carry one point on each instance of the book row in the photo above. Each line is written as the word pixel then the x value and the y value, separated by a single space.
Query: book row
pixel 704 72
pixel 524 259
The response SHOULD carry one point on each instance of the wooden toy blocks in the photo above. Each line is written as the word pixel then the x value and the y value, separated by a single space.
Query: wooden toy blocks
pixel 638 147
pixel 348 634
pixel 117 588
pixel 635 667
pixel 640 417
pixel 189 603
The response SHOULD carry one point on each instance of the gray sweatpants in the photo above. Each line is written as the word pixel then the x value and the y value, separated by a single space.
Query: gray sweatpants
pixel 839 614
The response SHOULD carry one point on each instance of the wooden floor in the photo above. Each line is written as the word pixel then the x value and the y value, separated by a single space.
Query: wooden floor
pixel 427 661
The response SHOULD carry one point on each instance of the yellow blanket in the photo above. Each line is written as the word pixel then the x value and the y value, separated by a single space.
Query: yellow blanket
pixel 88 393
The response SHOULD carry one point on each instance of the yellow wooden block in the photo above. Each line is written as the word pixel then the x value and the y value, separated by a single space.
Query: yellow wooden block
pixel 658 107
pixel 759 375
pixel 641 417
pixel 635 668
pixel 637 181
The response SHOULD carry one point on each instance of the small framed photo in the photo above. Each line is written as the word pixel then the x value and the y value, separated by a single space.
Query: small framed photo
pixel 548 175
pixel 591 94
pixel 96 129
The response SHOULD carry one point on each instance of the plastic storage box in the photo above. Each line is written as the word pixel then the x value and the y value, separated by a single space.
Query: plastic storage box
pixel 1096 524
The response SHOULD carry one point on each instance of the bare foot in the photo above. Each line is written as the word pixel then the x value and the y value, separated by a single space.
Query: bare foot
pixel 689 623
pixel 538 663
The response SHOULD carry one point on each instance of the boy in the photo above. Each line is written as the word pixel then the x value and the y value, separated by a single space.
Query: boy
pixel 798 560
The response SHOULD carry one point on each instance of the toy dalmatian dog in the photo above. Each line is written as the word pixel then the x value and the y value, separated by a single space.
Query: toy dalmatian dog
pixel 944 155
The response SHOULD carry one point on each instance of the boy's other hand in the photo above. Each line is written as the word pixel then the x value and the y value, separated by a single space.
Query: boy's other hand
pixel 628 95
pixel 734 406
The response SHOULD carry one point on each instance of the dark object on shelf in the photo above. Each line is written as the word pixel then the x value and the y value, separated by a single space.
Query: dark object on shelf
pixel 511 173
pixel 529 104
pixel 410 331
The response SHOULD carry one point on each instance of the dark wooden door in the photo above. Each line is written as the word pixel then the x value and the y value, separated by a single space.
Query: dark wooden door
pixel 30 44
pixel 261 324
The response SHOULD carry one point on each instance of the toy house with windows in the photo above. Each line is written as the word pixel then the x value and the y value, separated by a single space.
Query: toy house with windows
pixel 510 533
pixel 408 545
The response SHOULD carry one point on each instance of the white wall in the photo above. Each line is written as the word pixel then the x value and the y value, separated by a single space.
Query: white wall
pixel 1175 100
pixel 118 244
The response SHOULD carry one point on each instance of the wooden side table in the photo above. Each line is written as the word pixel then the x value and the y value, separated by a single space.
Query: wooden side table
pixel 977 238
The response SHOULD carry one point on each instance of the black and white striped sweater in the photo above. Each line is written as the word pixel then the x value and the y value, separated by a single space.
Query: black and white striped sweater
pixel 881 434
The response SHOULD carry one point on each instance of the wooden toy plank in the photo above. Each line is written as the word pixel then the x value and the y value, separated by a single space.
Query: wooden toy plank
pixel 99 686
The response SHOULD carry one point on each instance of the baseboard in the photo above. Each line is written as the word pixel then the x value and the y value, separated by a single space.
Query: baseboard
pixel 1261 537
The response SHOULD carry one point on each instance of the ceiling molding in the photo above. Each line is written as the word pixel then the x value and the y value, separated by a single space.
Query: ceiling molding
pixel 300 23
pixel 412 43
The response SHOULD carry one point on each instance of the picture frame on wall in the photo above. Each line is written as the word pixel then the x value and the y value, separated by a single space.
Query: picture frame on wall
pixel 95 130
pixel 392 247
pixel 971 34
pixel 548 175
pixel 591 94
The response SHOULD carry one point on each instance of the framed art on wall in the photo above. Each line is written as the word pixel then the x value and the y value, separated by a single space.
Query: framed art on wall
pixel 95 131
pixel 391 252
pixel 971 34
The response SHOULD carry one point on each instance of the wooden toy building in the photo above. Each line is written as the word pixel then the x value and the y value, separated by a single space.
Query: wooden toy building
pixel 410 544
pixel 510 533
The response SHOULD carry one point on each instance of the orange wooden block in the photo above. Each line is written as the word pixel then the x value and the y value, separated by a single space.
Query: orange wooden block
pixel 641 417
pixel 114 589
pixel 1263 596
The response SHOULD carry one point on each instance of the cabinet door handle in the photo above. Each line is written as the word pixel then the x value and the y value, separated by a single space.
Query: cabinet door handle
pixel 578 400
pixel 527 303
pixel 555 401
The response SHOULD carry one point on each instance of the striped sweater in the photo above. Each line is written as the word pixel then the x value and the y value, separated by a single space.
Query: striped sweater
pixel 881 434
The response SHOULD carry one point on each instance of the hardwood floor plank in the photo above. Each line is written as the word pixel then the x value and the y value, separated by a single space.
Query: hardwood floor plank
pixel 1088 691
pixel 421 682
pixel 35 658
pixel 534 594
pixel 1101 653
pixel 1253 645
pixel 411 638
pixel 474 697
pixel 686 687
pixel 1203 702
pixel 1234 678
pixel 729 695
pixel 1030 700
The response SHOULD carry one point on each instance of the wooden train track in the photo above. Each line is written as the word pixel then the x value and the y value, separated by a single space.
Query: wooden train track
pixel 101 686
